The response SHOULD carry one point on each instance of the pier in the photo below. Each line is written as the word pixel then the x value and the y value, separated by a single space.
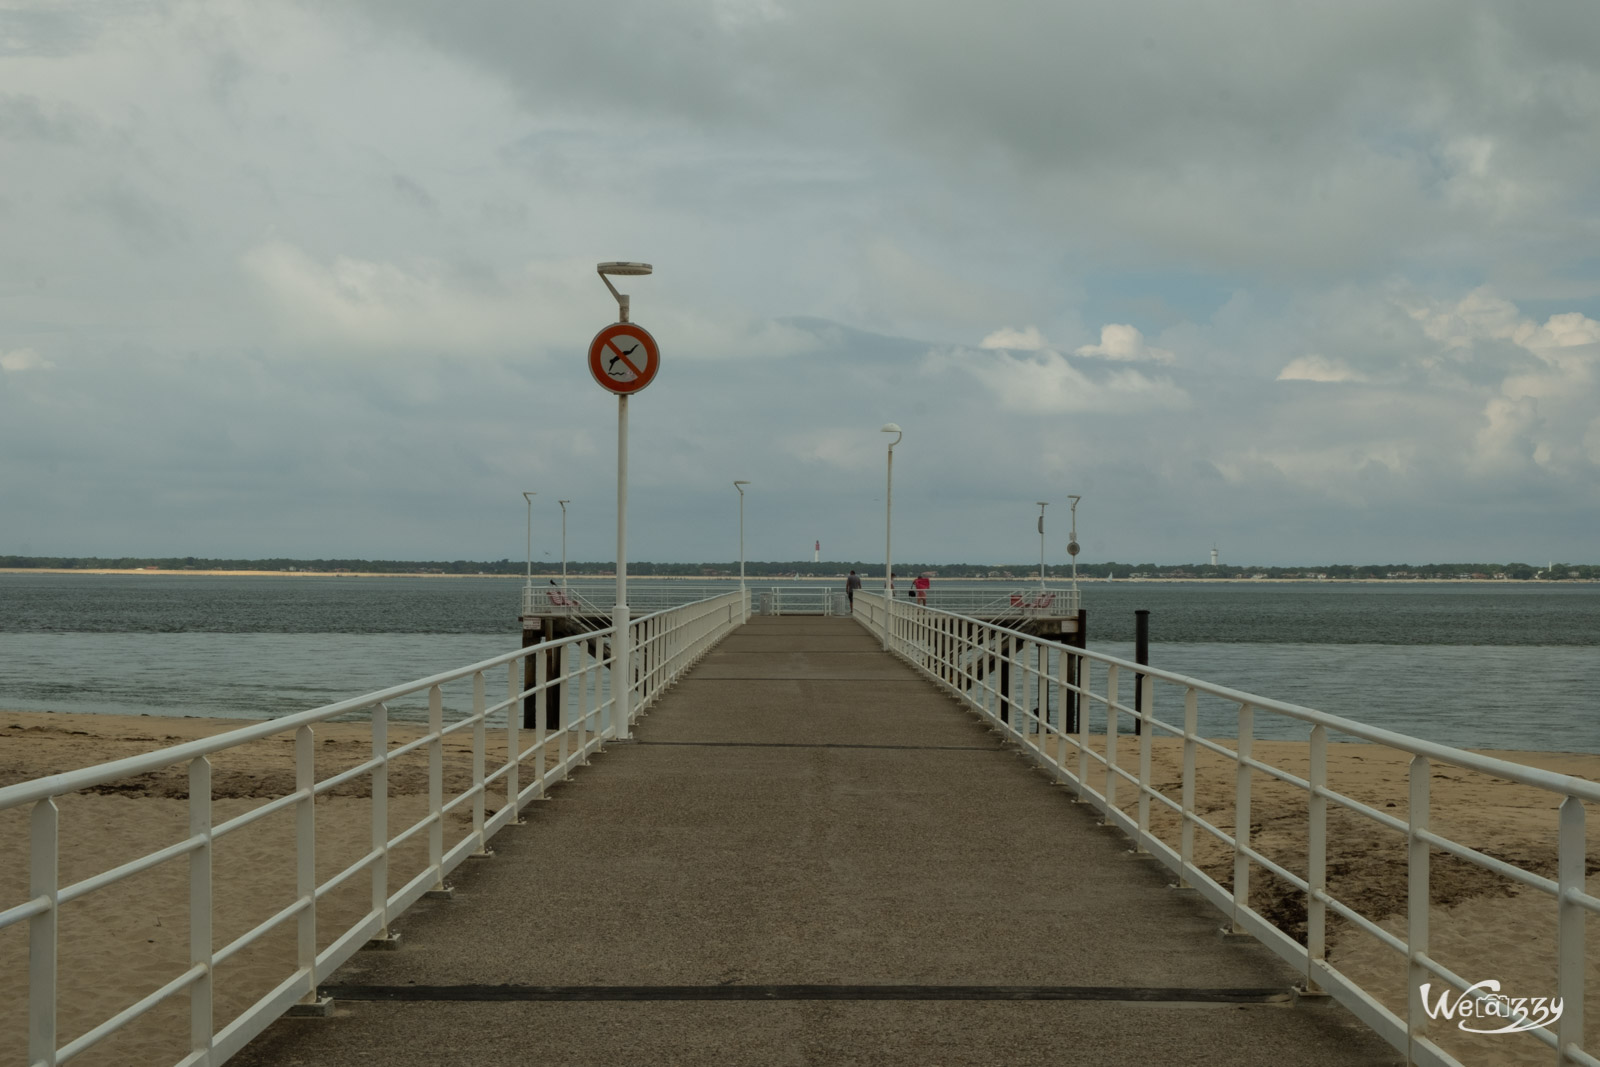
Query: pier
pixel 808 854
pixel 906 836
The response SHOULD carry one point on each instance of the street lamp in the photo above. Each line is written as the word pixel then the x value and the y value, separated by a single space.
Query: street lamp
pixel 528 495
pixel 739 485
pixel 621 685
pixel 1072 544
pixel 1042 505
pixel 888 525
pixel 563 504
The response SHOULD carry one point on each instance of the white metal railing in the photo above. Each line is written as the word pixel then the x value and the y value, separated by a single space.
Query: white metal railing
pixel 1006 677
pixel 1049 602
pixel 665 645
pixel 593 599
pixel 598 600
pixel 798 600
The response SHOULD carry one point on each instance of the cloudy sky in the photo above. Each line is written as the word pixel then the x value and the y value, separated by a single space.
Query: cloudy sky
pixel 1312 282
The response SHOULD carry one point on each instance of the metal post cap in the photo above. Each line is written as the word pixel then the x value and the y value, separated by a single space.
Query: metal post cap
pixel 1072 548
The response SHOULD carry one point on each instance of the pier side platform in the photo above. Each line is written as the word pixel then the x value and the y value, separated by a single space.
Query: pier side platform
pixel 810 855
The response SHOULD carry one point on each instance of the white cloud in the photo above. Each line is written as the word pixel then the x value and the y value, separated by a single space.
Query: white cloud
pixel 1123 342
pixel 1047 383
pixel 23 359
pixel 1315 368
pixel 1028 339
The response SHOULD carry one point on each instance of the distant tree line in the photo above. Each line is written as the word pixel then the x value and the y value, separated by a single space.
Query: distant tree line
pixel 830 569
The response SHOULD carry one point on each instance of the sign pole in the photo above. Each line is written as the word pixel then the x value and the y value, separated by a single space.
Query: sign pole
pixel 623 359
pixel 622 635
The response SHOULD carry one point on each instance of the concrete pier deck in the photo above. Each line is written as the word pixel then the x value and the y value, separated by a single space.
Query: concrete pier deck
pixel 810 855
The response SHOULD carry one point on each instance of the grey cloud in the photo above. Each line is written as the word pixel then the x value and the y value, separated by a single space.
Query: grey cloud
pixel 24 117
pixel 1325 138
pixel 414 194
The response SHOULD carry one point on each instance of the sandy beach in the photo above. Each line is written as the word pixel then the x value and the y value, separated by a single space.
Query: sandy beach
pixel 120 943
pixel 1483 927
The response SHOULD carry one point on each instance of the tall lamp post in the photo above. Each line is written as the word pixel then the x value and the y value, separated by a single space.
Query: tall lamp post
pixel 888 539
pixel 1072 544
pixel 739 485
pixel 621 637
pixel 563 504
pixel 528 495
pixel 1042 505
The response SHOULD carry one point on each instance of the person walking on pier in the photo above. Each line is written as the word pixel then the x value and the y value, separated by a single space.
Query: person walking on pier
pixel 851 584
pixel 921 586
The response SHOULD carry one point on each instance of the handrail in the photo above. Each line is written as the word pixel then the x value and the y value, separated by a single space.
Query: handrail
pixel 1000 672
pixel 664 644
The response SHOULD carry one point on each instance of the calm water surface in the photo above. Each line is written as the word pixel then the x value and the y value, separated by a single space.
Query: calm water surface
pixel 1513 666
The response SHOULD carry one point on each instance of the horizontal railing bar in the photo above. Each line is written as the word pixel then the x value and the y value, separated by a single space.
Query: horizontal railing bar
pixel 245 939
pixel 131 868
pixel 348 873
pixel 344 776
pixel 1500 867
pixel 130 1013
pixel 1365 923
pixel 1282 872
pixel 1582 899
pixel 1382 818
pixel 413 830
pixel 460 799
pixel 269 808
pixel 457 727
pixel 411 746
pixel 36 906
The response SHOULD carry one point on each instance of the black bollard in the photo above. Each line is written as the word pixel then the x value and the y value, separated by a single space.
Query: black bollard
pixel 1141 656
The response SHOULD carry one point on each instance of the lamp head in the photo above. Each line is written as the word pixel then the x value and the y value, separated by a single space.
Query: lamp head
pixel 890 427
pixel 528 495
pixel 624 268
pixel 739 485
pixel 563 504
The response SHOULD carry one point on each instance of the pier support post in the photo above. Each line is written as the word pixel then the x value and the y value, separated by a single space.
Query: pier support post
pixel 1005 679
pixel 1141 656
pixel 1069 703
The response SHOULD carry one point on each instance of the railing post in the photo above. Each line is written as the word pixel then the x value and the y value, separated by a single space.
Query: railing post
pixel 1003 641
pixel 1191 730
pixel 513 738
pixel 200 904
pixel 1316 857
pixel 1571 864
pixel 565 738
pixel 305 860
pixel 1241 817
pixel 436 785
pixel 1081 718
pixel 380 818
pixel 43 881
pixel 1417 900
pixel 479 755
pixel 1113 678
pixel 1146 704
pixel 541 680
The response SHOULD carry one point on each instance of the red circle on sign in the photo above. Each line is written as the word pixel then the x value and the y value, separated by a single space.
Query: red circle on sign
pixel 624 358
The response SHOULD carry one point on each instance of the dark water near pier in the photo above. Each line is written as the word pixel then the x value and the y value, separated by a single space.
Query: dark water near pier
pixel 1507 665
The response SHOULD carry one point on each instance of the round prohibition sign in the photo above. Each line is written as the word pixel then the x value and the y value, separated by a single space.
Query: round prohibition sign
pixel 624 358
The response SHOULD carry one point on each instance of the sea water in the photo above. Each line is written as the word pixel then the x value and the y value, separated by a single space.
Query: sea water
pixel 1503 665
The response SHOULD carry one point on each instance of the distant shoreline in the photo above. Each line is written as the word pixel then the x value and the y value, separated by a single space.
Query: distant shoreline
pixel 721 579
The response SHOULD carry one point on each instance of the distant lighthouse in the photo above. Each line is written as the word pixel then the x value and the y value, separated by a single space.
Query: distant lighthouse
pixel 1213 555
pixel 816 553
